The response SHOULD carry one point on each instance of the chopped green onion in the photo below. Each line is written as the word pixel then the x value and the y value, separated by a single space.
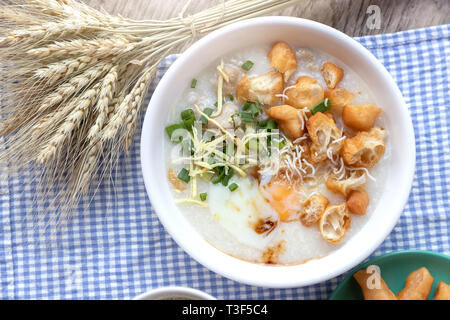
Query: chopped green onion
pixel 281 144
pixel 231 97
pixel 170 130
pixel 203 196
pixel 184 175
pixel 186 114
pixel 247 65
pixel 254 110
pixel 246 117
pixel 233 187
pixel 206 176
pixel 254 106
pixel 323 106
pixel 226 178
pixel 271 124
pixel 193 83
pixel 262 124
pixel 247 105
pixel 258 105
pixel 189 123
pixel 220 171
pixel 217 179
pixel 208 112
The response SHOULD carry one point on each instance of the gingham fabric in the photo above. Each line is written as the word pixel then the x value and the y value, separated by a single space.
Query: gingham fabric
pixel 119 249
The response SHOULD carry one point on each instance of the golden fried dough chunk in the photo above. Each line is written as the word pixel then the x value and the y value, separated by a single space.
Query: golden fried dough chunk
pixel 263 88
pixel 357 201
pixel 332 74
pixel 288 120
pixel 324 136
pixel 373 286
pixel 351 181
pixel 334 223
pixel 442 291
pixel 306 94
pixel 283 59
pixel 365 149
pixel 417 285
pixel 360 117
pixel 339 97
pixel 313 208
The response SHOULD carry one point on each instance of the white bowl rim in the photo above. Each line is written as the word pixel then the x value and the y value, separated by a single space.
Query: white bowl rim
pixel 175 291
pixel 409 167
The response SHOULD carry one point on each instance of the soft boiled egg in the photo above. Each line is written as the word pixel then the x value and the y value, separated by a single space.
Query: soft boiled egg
pixel 244 213
pixel 282 198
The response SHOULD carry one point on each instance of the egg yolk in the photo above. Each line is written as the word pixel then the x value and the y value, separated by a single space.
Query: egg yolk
pixel 282 199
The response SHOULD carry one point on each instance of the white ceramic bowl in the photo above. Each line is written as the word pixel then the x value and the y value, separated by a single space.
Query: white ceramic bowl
pixel 297 32
pixel 174 293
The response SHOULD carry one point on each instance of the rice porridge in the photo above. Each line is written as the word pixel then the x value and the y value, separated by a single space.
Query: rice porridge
pixel 276 154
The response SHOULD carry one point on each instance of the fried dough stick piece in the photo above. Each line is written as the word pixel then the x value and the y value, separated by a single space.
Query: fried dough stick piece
pixel 442 291
pixel 381 292
pixel 417 285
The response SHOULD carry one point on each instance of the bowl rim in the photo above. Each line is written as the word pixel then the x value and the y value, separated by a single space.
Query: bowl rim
pixel 409 166
pixel 175 290
pixel 375 260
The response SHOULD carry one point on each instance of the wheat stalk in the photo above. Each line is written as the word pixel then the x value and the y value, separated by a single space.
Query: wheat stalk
pixel 73 81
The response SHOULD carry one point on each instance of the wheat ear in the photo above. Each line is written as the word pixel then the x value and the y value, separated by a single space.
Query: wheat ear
pixel 135 97
pixel 94 147
pixel 98 48
pixel 63 69
pixel 50 30
pixel 75 84
pixel 106 94
pixel 88 167
pixel 17 17
pixel 130 126
pixel 80 109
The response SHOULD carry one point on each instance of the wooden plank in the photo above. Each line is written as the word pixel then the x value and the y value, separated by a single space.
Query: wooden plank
pixel 348 16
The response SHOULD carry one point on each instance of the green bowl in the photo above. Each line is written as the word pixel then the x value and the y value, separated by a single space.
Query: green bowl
pixel 395 267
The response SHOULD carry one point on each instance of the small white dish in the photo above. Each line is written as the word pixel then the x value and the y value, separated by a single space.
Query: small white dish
pixel 297 32
pixel 174 293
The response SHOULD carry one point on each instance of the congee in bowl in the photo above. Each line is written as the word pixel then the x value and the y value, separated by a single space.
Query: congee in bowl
pixel 276 154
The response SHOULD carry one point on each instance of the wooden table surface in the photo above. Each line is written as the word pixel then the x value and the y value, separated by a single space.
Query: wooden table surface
pixel 349 16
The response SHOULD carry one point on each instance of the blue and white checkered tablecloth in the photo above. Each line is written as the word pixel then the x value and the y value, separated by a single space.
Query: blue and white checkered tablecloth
pixel 119 249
